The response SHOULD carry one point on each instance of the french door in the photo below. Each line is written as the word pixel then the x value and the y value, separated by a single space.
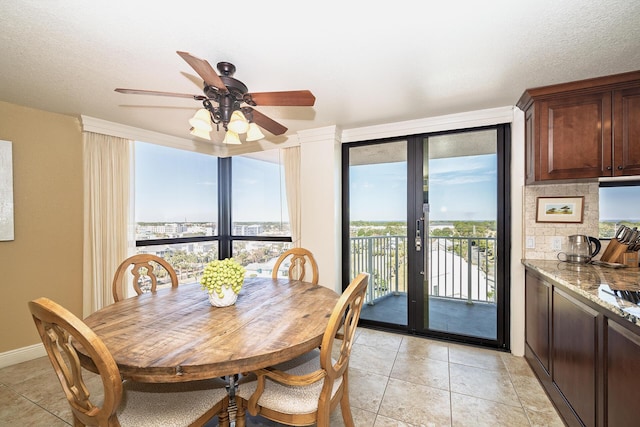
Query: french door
pixel 427 217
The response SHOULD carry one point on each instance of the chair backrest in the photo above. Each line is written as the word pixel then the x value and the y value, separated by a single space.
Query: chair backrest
pixel 298 257
pixel 345 315
pixel 143 274
pixel 58 327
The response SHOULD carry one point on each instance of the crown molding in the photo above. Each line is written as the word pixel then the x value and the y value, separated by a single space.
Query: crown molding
pixel 261 145
pixel 92 124
pixel 470 119
pixel 319 134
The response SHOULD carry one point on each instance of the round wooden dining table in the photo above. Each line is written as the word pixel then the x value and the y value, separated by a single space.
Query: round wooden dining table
pixel 175 335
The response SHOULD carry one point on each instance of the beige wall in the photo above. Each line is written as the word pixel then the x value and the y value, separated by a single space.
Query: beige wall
pixel 45 259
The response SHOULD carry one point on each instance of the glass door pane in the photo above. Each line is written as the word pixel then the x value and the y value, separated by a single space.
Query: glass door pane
pixel 461 175
pixel 378 227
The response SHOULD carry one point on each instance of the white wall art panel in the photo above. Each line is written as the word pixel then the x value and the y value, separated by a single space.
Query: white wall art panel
pixel 6 191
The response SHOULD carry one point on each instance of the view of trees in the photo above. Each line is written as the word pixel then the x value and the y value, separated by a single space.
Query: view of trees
pixel 608 228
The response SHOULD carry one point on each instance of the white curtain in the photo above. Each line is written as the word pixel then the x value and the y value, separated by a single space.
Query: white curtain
pixel 291 160
pixel 106 209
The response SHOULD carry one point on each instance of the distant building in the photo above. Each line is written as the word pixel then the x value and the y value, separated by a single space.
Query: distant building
pixel 248 230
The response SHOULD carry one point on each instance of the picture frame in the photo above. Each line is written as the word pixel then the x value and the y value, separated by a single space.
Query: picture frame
pixel 560 209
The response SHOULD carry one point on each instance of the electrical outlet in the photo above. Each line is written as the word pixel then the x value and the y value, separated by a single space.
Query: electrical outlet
pixel 531 242
pixel 556 243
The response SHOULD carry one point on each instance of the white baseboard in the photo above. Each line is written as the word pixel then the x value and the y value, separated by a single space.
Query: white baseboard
pixel 22 355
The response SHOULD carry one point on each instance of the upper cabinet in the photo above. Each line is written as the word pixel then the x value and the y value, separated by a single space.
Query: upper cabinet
pixel 584 129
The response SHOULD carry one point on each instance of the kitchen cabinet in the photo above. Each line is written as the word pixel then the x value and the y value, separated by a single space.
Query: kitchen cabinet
pixel 574 356
pixel 623 371
pixel 626 131
pixel 538 319
pixel 584 129
pixel 586 357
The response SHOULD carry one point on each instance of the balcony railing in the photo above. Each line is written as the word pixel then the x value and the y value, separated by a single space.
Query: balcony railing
pixel 385 259
pixel 460 268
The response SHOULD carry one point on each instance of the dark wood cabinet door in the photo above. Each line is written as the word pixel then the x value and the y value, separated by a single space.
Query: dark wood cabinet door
pixel 575 137
pixel 530 159
pixel 537 315
pixel 574 359
pixel 623 372
pixel 626 130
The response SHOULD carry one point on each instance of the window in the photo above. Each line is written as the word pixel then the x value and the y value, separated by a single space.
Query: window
pixel 619 204
pixel 192 208
pixel 176 207
pixel 259 203
pixel 175 192
pixel 259 214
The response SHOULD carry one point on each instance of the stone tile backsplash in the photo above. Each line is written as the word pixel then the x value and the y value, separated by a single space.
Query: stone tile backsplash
pixel 543 233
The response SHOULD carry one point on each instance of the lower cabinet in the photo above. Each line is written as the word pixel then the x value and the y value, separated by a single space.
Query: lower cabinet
pixel 574 354
pixel 623 374
pixel 538 319
pixel 586 357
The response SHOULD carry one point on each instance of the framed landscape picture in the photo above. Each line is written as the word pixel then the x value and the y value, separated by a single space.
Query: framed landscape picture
pixel 560 209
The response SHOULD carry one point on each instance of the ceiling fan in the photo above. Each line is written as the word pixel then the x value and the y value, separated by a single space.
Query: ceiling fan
pixel 224 95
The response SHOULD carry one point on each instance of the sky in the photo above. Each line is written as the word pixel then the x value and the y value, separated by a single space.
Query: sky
pixel 620 203
pixel 178 185
pixel 460 188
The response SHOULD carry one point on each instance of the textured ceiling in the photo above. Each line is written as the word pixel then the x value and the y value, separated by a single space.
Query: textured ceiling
pixel 366 63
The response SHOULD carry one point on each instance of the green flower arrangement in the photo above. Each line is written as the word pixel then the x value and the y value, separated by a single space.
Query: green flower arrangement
pixel 219 274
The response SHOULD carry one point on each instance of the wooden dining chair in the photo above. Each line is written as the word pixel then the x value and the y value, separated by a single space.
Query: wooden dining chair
pixel 126 403
pixel 143 269
pixel 297 258
pixel 308 388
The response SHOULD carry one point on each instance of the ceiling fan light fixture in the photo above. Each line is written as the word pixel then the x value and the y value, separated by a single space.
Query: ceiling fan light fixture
pixel 254 133
pixel 238 123
pixel 230 137
pixel 222 101
pixel 200 133
pixel 201 120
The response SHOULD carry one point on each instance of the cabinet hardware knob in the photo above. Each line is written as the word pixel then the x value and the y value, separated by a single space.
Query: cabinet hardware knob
pixel 609 168
pixel 619 168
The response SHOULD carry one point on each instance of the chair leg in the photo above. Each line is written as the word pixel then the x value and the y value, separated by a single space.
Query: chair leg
pixel 345 406
pixel 240 412
pixel 223 419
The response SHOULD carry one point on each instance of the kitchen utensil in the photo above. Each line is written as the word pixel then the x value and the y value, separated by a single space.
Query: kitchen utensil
pixel 581 249
pixel 608 264
pixel 606 255
pixel 633 235
pixel 616 246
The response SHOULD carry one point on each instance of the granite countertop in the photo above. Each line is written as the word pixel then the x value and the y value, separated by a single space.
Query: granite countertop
pixel 616 289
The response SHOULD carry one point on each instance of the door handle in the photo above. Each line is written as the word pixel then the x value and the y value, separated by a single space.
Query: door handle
pixel 418 243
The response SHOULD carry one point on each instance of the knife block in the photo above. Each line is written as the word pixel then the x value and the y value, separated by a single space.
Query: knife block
pixel 630 259
pixel 615 252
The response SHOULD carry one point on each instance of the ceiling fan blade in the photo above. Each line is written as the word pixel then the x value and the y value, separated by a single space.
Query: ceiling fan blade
pixel 204 70
pixel 267 123
pixel 158 93
pixel 294 98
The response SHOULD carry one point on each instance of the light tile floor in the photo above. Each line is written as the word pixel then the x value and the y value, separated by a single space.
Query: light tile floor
pixel 395 380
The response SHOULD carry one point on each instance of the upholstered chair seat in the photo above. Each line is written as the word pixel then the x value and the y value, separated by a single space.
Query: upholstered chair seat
pixel 288 399
pixel 168 405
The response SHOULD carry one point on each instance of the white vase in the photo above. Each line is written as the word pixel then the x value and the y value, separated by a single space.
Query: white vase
pixel 228 297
